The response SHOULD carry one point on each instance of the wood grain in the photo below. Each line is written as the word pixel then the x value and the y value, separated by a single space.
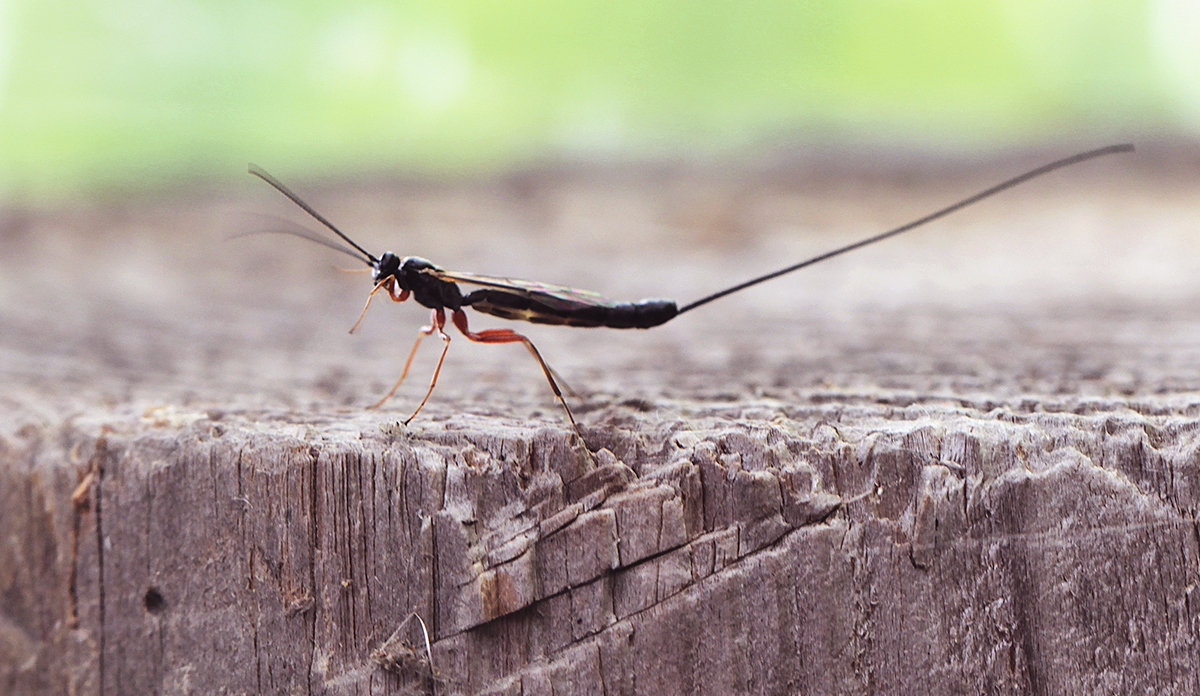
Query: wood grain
pixel 966 463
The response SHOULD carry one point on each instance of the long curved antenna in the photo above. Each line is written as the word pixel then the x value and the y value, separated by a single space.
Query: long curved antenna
pixel 295 230
pixel 260 173
pixel 1031 174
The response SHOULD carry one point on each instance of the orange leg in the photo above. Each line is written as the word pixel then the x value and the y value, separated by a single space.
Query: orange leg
pixel 437 322
pixel 389 284
pixel 510 336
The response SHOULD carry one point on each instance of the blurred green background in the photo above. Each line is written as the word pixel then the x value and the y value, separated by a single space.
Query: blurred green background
pixel 125 94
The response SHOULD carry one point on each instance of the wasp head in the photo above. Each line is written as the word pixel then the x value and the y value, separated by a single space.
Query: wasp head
pixel 388 265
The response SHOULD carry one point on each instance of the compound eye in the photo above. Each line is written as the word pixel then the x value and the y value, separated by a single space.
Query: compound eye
pixel 388 265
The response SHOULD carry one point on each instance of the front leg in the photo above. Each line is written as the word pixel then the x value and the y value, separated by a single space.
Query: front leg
pixel 389 284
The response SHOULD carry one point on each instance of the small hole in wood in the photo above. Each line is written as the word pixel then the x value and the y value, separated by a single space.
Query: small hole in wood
pixel 154 601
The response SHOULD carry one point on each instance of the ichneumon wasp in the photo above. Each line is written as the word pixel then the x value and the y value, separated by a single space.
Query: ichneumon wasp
pixel 540 303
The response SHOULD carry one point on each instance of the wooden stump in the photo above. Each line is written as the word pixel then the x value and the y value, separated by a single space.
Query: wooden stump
pixel 967 461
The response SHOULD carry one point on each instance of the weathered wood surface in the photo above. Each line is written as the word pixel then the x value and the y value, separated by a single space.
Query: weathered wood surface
pixel 967 461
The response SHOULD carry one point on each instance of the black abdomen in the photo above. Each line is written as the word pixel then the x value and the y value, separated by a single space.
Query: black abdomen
pixel 554 310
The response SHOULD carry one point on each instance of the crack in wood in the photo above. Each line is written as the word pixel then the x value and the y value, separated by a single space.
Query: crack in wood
pixel 684 569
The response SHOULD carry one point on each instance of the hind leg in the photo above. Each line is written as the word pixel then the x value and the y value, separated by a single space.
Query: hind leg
pixel 510 336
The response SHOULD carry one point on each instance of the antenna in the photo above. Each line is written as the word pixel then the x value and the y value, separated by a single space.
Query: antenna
pixel 262 174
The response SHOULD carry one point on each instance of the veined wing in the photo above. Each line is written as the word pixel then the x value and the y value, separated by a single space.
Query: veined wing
pixel 542 303
pixel 557 296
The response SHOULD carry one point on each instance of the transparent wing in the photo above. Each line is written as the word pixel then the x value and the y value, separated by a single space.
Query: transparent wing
pixel 542 292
